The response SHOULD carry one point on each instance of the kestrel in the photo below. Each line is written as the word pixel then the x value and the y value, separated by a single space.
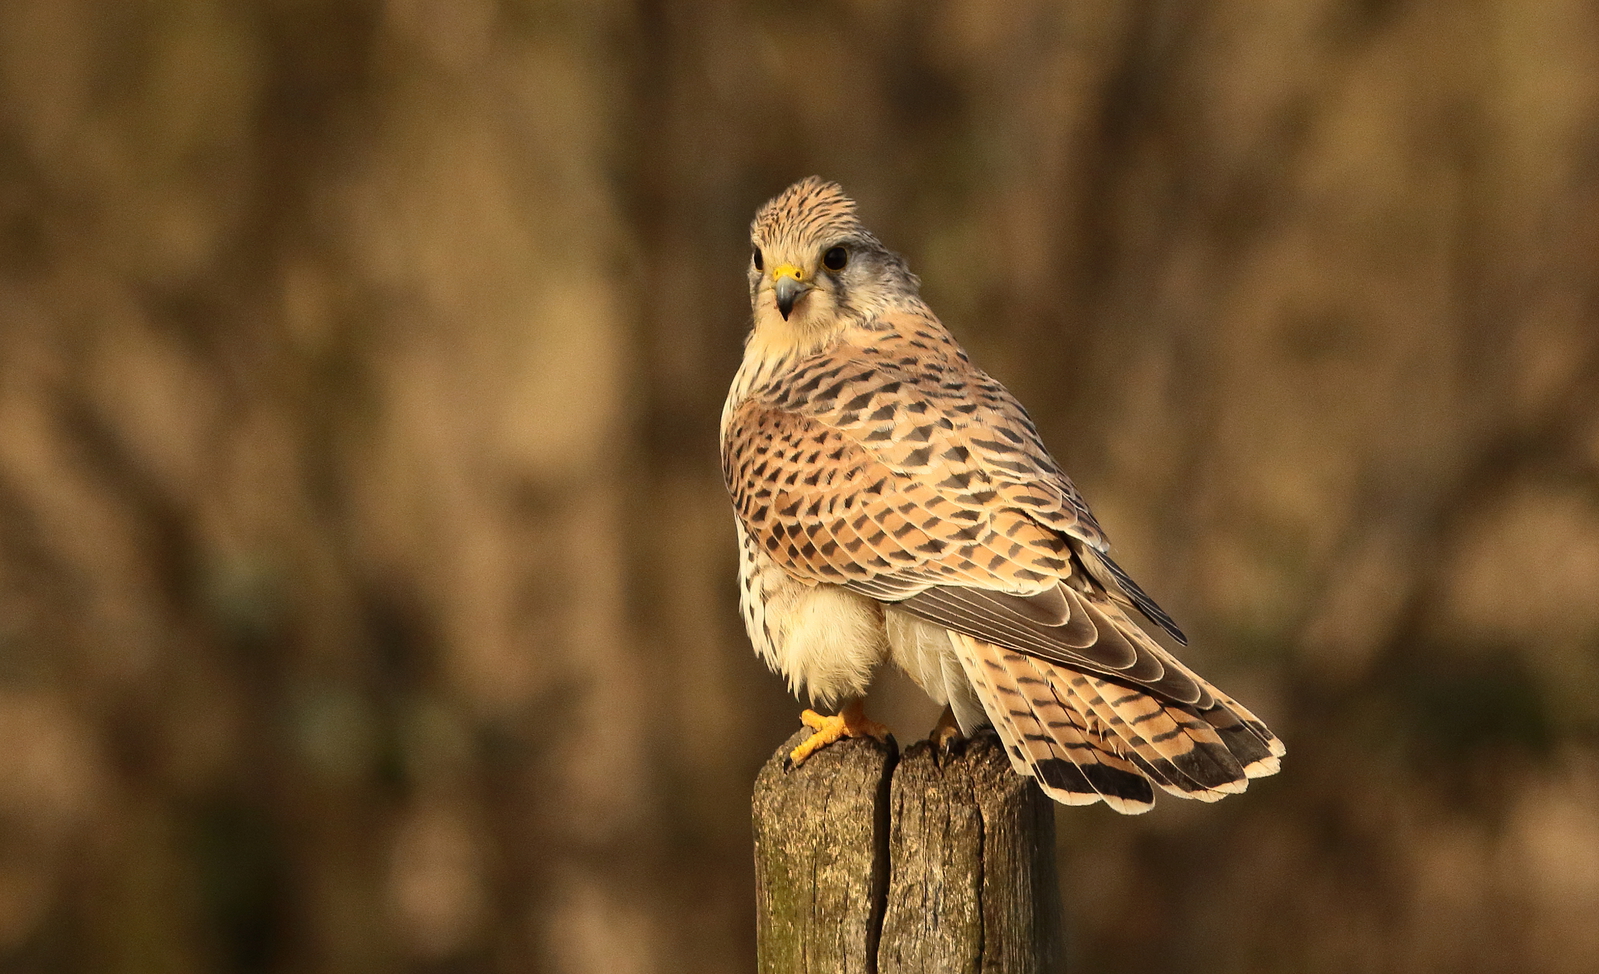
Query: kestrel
pixel 894 502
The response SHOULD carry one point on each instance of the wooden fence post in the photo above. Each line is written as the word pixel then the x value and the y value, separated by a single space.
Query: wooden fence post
pixel 930 863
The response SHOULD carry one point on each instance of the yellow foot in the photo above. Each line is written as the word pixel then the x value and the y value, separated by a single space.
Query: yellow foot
pixel 851 722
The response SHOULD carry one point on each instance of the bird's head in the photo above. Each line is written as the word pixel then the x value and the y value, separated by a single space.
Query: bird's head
pixel 815 269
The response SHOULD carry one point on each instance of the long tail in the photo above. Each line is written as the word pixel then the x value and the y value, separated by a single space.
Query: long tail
pixel 1087 738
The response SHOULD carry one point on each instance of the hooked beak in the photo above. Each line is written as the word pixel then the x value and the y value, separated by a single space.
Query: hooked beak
pixel 789 286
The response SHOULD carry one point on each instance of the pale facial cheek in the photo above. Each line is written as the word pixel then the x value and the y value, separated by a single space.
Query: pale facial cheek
pixel 817 305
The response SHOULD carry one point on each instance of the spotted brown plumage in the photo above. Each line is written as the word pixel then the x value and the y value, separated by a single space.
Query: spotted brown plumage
pixel 896 503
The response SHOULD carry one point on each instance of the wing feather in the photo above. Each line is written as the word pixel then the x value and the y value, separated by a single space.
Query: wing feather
pixel 897 469
pixel 832 508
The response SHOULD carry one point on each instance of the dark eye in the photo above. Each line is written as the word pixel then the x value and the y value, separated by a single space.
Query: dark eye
pixel 835 259
pixel 758 263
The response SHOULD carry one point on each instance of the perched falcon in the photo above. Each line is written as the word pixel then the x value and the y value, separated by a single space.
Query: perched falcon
pixel 894 502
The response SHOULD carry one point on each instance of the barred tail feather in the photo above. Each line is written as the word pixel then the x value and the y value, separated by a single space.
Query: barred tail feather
pixel 1255 746
pixel 1243 739
pixel 1185 752
pixel 1045 739
pixel 1088 738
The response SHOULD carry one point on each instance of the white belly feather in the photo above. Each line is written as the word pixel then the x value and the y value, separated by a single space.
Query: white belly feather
pixel 827 640
pixel 824 639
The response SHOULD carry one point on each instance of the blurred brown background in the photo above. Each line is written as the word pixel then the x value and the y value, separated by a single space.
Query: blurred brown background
pixel 366 577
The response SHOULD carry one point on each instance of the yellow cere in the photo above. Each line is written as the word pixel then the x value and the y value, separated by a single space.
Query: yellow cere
pixel 787 270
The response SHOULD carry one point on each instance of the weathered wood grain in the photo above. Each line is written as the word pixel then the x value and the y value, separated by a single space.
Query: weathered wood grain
pixel 1022 913
pixel 937 862
pixel 820 851
pixel 933 920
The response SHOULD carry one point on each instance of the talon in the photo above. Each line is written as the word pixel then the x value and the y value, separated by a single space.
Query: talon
pixel 946 734
pixel 851 722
